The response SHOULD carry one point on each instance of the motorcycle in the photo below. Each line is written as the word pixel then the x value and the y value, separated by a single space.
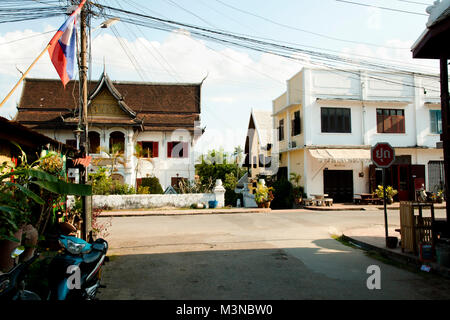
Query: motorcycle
pixel 76 272
pixel 12 283
pixel 73 274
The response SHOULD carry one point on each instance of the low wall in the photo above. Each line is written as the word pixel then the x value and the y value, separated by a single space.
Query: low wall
pixel 146 201
pixel 143 201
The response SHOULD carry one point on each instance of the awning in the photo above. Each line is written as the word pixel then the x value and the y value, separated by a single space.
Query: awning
pixel 341 155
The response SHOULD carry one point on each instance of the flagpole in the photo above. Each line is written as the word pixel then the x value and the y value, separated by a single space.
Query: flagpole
pixel 24 75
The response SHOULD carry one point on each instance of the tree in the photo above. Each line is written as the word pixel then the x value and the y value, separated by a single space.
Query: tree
pixel 214 165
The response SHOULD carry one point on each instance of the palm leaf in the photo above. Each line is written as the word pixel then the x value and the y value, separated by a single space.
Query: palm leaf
pixel 65 188
pixel 27 192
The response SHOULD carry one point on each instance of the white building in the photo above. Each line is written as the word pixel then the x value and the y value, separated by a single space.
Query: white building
pixel 153 126
pixel 328 120
pixel 258 144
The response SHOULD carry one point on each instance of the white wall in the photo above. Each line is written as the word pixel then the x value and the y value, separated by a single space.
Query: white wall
pixel 314 177
pixel 163 168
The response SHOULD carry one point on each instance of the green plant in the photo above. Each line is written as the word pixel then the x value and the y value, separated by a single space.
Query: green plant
pixel 230 184
pixel 143 190
pixel 23 188
pixel 283 191
pixel 103 184
pixel 263 193
pixel 390 192
pixel 153 185
pixel 295 179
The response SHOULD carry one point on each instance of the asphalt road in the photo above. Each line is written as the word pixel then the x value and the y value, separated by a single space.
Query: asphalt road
pixel 277 255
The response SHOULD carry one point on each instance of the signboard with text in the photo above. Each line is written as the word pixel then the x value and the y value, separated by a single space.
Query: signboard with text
pixel 383 155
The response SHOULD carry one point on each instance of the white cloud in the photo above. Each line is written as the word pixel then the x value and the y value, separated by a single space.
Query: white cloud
pixel 235 81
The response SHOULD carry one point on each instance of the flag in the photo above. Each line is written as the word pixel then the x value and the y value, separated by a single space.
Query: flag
pixel 62 47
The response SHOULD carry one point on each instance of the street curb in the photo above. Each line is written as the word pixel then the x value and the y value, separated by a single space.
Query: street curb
pixel 334 209
pixel 163 213
pixel 400 258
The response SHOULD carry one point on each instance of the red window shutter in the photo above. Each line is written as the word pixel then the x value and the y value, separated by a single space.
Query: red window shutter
pixel 155 150
pixel 169 149
pixel 138 182
pixel 380 121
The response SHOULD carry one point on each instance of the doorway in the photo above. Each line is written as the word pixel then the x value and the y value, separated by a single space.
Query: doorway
pixel 338 184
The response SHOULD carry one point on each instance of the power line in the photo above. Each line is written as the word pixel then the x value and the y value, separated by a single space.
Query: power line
pixel 33 36
pixel 256 45
pixel 383 8
pixel 414 2
pixel 304 30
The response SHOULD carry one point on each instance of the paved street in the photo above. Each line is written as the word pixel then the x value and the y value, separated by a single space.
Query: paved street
pixel 276 255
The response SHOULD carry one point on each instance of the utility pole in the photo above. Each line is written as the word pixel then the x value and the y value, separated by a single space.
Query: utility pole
pixel 445 136
pixel 87 200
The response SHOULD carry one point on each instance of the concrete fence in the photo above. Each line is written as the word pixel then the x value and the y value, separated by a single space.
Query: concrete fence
pixel 144 201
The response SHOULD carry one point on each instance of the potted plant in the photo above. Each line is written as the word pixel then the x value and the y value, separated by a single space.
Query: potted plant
pixel 440 196
pixel 263 195
pixel 390 193
pixel 297 190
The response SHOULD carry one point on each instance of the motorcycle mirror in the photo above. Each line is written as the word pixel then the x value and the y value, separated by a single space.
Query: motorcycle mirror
pixel 17 252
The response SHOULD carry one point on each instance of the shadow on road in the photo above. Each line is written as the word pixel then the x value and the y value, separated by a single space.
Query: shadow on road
pixel 328 271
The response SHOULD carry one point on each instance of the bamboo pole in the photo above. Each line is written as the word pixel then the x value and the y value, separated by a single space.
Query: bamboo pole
pixel 24 75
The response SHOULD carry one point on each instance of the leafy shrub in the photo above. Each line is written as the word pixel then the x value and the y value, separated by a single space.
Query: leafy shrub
pixel 153 185
pixel 103 184
pixel 283 194
pixel 143 190
pixel 230 184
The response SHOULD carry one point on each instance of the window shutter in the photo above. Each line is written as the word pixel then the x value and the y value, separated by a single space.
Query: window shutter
pixel 439 121
pixel 155 150
pixel 169 149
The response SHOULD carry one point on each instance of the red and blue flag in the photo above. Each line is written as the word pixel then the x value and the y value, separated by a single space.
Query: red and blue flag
pixel 62 47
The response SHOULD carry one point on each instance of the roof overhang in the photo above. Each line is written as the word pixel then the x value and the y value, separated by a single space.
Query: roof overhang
pixel 341 155
pixel 432 43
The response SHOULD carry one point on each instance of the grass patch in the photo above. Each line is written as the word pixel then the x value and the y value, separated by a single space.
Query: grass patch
pixel 343 241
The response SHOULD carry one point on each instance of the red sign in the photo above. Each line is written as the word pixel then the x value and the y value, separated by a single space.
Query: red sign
pixel 383 155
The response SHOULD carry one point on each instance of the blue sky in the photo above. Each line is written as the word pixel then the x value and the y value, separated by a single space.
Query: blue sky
pixel 237 79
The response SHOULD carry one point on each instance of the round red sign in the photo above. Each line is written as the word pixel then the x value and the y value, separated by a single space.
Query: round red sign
pixel 383 155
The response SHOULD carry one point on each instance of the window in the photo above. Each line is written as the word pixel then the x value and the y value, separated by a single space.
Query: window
pixel 72 143
pixel 296 129
pixel 177 149
pixel 435 121
pixel 436 176
pixel 116 142
pixel 149 149
pixel 390 121
pixel 177 182
pixel 281 130
pixel 336 120
pixel 94 142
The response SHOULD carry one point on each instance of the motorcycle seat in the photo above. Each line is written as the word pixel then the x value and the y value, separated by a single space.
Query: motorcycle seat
pixel 98 249
pixel 92 256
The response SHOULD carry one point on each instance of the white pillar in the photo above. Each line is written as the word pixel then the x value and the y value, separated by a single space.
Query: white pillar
pixel 219 192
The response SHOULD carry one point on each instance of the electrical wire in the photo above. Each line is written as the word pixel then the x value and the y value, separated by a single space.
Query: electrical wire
pixel 383 8
pixel 304 30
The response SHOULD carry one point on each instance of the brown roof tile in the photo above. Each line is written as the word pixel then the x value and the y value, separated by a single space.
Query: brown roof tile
pixel 157 104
